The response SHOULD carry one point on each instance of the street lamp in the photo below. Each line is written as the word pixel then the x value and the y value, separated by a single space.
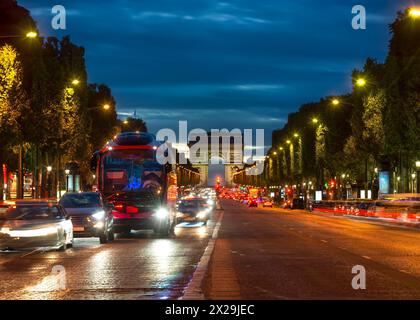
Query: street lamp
pixel 360 82
pixel 315 120
pixel 31 34
pixel 67 171
pixel 49 169
pixel 413 177
pixel 335 102
pixel 75 82
pixel 296 135
pixel 414 13
pixel 125 122
pixel 106 106
pixel 288 142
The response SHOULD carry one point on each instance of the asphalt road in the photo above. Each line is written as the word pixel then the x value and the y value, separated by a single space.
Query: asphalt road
pixel 281 254
pixel 258 254
pixel 138 267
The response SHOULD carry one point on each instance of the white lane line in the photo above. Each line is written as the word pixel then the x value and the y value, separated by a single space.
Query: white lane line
pixel 325 241
pixel 367 257
pixel 405 271
pixel 29 253
pixel 193 290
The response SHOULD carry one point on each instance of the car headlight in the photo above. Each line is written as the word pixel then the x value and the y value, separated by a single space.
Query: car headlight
pixel 210 202
pixel 5 230
pixel 42 232
pixel 162 213
pixel 100 215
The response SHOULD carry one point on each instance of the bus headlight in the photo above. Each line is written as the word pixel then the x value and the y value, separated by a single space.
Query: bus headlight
pixel 162 213
pixel 100 215
pixel 202 214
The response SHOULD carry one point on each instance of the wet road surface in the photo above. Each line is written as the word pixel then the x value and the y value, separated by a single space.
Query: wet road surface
pixel 140 266
pixel 258 254
pixel 264 253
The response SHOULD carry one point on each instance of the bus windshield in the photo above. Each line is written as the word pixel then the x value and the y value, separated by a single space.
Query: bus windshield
pixel 130 170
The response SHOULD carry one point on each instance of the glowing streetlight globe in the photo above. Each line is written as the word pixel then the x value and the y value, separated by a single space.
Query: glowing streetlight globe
pixel 335 102
pixel 414 12
pixel 360 82
pixel 31 34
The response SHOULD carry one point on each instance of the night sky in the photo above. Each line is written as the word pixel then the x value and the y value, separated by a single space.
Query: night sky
pixel 234 64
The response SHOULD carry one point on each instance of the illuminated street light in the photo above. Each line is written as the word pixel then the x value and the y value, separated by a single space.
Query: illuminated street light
pixel 335 102
pixel 288 142
pixel 296 135
pixel 281 148
pixel 315 120
pixel 275 153
pixel 125 121
pixel 67 172
pixel 360 82
pixel 414 13
pixel 75 82
pixel 417 164
pixel 106 107
pixel 31 34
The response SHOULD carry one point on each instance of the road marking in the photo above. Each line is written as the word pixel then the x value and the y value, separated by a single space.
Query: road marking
pixel 193 290
pixel 367 257
pixel 405 271
pixel 29 253
pixel 325 241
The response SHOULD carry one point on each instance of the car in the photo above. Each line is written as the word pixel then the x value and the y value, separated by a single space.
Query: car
pixel 90 215
pixel 28 225
pixel 142 210
pixel 252 203
pixel 267 203
pixel 193 210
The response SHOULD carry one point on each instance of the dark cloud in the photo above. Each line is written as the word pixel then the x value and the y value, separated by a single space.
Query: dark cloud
pixel 230 63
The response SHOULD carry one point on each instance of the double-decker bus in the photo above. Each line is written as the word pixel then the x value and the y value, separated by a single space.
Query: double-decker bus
pixel 141 191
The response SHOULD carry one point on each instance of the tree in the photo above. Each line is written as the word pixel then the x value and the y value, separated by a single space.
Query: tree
pixel 13 102
pixel 133 125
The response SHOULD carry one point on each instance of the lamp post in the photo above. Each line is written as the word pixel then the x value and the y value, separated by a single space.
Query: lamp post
pixel 413 178
pixel 67 172
pixel 49 169
pixel 418 175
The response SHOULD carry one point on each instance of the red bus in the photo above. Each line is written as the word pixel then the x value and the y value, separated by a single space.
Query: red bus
pixel 141 191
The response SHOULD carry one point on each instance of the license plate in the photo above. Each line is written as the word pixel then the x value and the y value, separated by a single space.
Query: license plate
pixel 78 229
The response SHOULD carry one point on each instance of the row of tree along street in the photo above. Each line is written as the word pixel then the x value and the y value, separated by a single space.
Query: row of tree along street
pixel 347 141
pixel 50 116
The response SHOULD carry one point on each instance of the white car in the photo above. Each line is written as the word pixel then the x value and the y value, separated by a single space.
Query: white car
pixel 33 225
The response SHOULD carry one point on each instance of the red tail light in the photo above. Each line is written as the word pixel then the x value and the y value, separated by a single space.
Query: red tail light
pixel 119 207
pixel 130 209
